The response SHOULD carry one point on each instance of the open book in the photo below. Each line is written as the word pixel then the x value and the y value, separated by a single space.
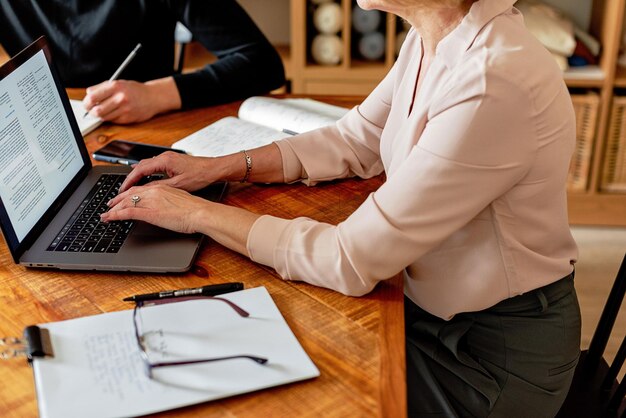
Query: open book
pixel 261 121
pixel 97 370
pixel 86 123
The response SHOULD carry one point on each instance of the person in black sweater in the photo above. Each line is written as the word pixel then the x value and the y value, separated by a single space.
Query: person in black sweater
pixel 90 39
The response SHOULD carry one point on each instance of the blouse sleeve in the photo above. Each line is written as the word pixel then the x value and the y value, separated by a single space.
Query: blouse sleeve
pixel 349 148
pixel 247 64
pixel 476 145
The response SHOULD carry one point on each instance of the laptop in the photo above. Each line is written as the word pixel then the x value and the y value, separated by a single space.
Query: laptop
pixel 51 196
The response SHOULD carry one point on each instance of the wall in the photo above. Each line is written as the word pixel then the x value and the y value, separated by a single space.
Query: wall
pixel 271 16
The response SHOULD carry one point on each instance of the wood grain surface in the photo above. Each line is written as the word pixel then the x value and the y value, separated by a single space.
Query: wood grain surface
pixel 357 343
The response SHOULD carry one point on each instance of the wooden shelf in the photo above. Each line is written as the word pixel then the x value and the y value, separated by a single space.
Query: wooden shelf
pixel 375 65
pixel 620 77
pixel 285 54
pixel 359 78
pixel 373 72
pixel 591 76
pixel 600 209
pixel 354 75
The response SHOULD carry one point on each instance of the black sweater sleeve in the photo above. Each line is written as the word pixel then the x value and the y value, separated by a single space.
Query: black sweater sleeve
pixel 247 63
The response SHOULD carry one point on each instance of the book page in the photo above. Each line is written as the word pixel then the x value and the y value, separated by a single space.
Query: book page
pixel 97 363
pixel 292 115
pixel 226 136
pixel 86 123
pixel 315 106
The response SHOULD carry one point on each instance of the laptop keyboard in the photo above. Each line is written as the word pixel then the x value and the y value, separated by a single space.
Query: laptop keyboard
pixel 84 232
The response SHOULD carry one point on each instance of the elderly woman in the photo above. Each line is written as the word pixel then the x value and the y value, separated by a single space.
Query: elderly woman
pixel 474 129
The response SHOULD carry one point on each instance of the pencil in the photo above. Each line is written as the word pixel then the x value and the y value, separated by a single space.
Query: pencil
pixel 122 66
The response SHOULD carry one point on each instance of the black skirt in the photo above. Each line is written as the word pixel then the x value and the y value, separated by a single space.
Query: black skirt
pixel 515 359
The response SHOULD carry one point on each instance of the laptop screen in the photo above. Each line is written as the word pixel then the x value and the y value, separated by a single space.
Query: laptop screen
pixel 40 154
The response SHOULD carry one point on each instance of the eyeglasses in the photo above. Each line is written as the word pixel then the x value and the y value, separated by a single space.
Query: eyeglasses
pixel 149 366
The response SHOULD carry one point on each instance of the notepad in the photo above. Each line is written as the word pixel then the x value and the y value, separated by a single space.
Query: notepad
pixel 86 123
pixel 97 371
pixel 260 121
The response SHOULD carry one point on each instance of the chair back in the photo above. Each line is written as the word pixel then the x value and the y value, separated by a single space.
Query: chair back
pixel 595 391
pixel 182 36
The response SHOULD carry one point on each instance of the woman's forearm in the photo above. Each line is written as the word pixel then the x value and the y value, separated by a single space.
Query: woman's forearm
pixel 266 165
pixel 227 225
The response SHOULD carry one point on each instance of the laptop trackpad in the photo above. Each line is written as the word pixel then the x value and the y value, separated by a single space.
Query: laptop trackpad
pixel 145 229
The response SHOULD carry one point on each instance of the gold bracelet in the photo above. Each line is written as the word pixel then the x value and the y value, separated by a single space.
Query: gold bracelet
pixel 248 166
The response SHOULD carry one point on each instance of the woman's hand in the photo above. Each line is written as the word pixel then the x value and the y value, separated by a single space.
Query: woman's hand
pixel 159 205
pixel 183 171
pixel 179 211
pixel 193 173
pixel 124 101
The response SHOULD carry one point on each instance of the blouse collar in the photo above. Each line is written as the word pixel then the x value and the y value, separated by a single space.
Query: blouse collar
pixel 457 42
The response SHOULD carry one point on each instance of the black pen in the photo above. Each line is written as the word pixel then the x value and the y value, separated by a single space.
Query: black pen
pixel 210 290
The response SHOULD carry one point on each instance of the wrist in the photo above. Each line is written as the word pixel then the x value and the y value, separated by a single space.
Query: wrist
pixel 248 161
pixel 164 94
pixel 227 225
pixel 201 219
pixel 232 167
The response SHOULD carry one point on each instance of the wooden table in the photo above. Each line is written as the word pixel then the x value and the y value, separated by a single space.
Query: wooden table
pixel 357 343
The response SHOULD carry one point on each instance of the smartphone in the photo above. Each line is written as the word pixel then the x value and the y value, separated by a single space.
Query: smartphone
pixel 127 152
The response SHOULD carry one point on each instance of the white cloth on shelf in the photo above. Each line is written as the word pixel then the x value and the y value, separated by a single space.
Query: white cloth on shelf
pixel 549 25
pixel 561 61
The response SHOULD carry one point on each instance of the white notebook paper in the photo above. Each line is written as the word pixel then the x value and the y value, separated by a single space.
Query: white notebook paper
pixel 97 371
pixel 86 123
pixel 261 120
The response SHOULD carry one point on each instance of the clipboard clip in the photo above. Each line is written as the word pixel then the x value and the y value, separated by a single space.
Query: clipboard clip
pixel 35 343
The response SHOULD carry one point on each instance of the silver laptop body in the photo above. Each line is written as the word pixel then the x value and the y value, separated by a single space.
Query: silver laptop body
pixel 45 174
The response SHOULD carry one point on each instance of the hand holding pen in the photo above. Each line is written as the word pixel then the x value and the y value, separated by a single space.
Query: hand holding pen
pixel 129 101
pixel 122 67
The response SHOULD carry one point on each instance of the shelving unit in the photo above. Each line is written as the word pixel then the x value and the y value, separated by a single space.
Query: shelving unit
pixel 351 76
pixel 593 205
pixel 589 202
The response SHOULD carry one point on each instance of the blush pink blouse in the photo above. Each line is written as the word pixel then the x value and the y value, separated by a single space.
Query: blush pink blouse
pixel 473 210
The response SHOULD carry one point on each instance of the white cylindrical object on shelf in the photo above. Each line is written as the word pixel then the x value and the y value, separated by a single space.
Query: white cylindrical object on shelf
pixel 372 46
pixel 327 49
pixel 365 21
pixel 328 18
